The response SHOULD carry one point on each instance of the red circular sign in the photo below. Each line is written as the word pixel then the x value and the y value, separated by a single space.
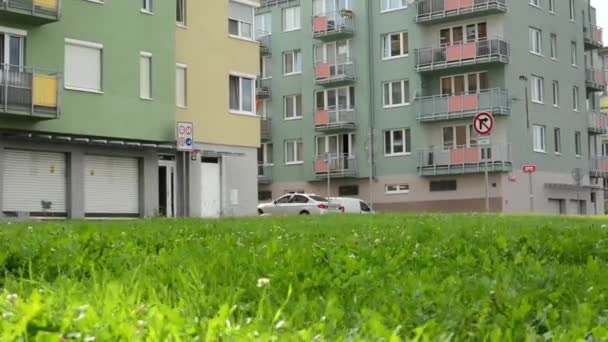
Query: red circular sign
pixel 483 123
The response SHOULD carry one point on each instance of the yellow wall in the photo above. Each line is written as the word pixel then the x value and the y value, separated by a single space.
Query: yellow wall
pixel 211 55
pixel 604 104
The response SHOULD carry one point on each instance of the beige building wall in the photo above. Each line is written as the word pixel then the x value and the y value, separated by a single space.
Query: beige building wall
pixel 211 55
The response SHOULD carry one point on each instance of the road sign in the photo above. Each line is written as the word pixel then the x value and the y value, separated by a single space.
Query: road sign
pixel 529 168
pixel 185 136
pixel 483 123
pixel 483 141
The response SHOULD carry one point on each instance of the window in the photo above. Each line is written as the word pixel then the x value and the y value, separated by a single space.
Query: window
pixel 538 89
pixel 299 199
pixel 443 185
pixel 266 67
pixel 395 189
pixel 575 98
pixel 180 16
pixel 538 135
pixel 294 152
pixel 553 46
pixel 240 20
pixel 264 195
pixel 293 107
pixel 572 10
pixel 555 93
pixel 83 65
pixel 292 62
pixel 471 83
pixel 458 34
pixel 459 136
pixel 146 6
pixel 181 87
pixel 551 6
pixel 342 98
pixel 577 144
pixel 241 91
pixel 396 93
pixel 145 75
pixel 574 54
pixel 265 154
pixel 389 5
pixel 397 142
pixel 395 45
pixel 348 190
pixel 263 23
pixel 534 3
pixel 291 19
pixel 557 137
pixel 536 41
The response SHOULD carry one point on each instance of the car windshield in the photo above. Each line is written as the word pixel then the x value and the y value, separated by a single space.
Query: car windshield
pixel 319 198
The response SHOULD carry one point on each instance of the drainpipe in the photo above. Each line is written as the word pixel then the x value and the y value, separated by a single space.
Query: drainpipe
pixel 372 100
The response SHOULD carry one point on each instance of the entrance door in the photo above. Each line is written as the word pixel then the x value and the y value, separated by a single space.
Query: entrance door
pixel 210 188
pixel 166 188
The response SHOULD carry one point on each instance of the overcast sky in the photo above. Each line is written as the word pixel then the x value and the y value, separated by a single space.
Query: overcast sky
pixel 602 15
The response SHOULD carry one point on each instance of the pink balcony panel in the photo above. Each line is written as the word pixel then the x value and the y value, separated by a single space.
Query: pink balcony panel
pixel 601 121
pixel 598 35
pixel 463 103
pixel 461 51
pixel 453 53
pixel 321 166
pixel 322 71
pixel 602 165
pixel 322 118
pixel 600 77
pixel 469 50
pixel 451 5
pixel 465 155
pixel 320 24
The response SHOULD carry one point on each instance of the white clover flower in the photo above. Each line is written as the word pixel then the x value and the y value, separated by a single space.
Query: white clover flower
pixel 8 315
pixel 262 282
pixel 12 297
pixel 280 324
pixel 377 241
pixel 73 335
pixel 248 320
pixel 141 323
pixel 89 339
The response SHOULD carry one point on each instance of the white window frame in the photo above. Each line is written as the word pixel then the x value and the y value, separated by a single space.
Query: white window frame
pixel 265 22
pixel 576 99
pixel 266 67
pixel 298 160
pixel 534 3
pixel 147 7
pixel 539 142
pixel 183 67
pixel 240 111
pixel 294 97
pixel 391 104
pixel 578 144
pixel 386 45
pixel 466 82
pixel 144 55
pixel 538 94
pixel 384 8
pixel 572 11
pixel 553 46
pixel 266 155
pixel 407 149
pixel 296 16
pixel 574 53
pixel 399 189
pixel 183 13
pixel 240 23
pixel 552 6
pixel 536 41
pixel 470 136
pixel 297 67
pixel 557 140
pixel 91 45
pixel 555 94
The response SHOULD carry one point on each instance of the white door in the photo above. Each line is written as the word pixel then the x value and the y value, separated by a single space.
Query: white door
pixel 111 186
pixel 34 182
pixel 166 189
pixel 210 190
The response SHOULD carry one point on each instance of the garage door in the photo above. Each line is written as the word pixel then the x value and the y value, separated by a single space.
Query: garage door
pixel 34 182
pixel 111 186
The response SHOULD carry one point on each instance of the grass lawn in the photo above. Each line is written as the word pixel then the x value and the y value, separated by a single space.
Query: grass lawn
pixel 341 278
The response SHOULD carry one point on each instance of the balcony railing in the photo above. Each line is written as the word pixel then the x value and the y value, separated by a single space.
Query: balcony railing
pixel 335 165
pixel 262 87
pixel 594 36
pixel 595 79
pixel 438 161
pixel 441 10
pixel 599 166
pixel 443 107
pixel 333 24
pixel 264 38
pixel 264 173
pixel 447 56
pixel 598 123
pixel 29 93
pixel 37 11
pixel 335 118
pixel 334 72
pixel 266 128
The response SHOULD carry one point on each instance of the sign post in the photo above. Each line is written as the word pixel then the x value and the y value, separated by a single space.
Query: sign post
pixel 483 123
pixel 530 169
pixel 185 144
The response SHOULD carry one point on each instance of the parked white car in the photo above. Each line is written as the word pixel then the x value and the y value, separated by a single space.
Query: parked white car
pixel 351 205
pixel 298 204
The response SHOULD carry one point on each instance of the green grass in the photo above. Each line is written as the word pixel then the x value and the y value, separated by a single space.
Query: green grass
pixel 378 278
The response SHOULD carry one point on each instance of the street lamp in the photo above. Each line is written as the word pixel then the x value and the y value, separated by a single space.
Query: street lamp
pixel 524 80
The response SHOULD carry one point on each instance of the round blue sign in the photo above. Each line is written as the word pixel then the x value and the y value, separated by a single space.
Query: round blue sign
pixel 189 142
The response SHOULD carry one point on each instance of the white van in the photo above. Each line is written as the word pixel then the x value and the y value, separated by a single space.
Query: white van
pixel 351 205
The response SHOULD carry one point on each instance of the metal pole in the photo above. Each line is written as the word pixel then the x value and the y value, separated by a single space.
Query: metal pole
pixel 487 179
pixel 371 170
pixel 184 175
pixel 531 192
pixel 328 176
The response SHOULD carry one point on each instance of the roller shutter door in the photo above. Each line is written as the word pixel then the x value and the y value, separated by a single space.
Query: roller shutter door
pixel 111 186
pixel 34 182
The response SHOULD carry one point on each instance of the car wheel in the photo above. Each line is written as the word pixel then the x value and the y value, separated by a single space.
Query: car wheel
pixel 260 212
pixel 304 212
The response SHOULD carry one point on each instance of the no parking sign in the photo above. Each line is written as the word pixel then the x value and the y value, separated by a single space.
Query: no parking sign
pixel 185 136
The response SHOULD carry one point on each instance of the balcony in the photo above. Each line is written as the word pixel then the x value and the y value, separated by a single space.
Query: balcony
pixel 26 92
pixel 594 36
pixel 265 129
pixel 335 73
pixel 333 25
pixel 595 79
pixel 443 108
pixel 598 123
pixel 435 11
pixel 437 161
pixel 264 38
pixel 33 12
pixel 335 119
pixel 598 167
pixel 262 87
pixel 264 173
pixel 335 166
pixel 464 54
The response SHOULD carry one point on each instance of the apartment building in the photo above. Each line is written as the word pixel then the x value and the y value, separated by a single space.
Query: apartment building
pixel 87 107
pixel 217 68
pixel 376 98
